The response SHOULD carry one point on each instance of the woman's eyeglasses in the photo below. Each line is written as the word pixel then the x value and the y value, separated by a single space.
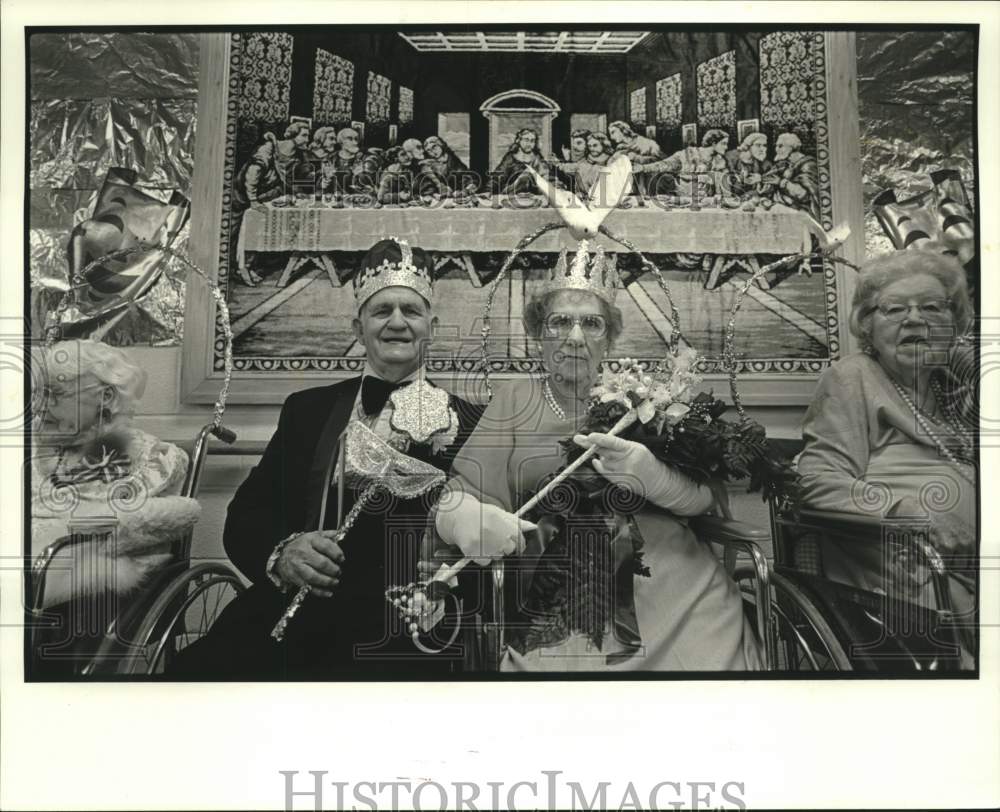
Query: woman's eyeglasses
pixel 561 324
pixel 932 310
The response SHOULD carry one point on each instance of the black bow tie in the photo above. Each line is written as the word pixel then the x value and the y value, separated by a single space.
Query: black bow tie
pixel 375 392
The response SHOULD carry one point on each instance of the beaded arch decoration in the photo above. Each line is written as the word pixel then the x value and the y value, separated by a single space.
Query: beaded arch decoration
pixel 729 360
pixel 53 332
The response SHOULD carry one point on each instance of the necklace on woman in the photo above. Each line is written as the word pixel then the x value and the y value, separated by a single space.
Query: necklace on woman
pixel 925 424
pixel 952 418
pixel 550 398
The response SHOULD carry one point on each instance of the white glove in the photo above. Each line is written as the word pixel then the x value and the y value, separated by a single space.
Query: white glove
pixel 631 465
pixel 481 531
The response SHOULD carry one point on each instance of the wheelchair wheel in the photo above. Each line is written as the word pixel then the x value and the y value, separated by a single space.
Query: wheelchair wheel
pixel 182 613
pixel 804 639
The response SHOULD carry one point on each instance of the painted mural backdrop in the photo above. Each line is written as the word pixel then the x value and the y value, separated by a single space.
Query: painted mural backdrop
pixel 337 141
pixel 100 100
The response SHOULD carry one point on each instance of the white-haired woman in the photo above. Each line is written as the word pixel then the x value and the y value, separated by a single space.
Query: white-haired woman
pixel 890 430
pixel 581 607
pixel 91 469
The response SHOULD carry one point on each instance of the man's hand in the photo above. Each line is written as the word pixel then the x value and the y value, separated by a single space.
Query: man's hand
pixel 313 559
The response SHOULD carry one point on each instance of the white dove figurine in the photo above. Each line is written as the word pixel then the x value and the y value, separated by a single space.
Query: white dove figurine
pixel 584 217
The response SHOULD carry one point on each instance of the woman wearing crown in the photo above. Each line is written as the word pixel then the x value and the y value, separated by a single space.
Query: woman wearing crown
pixel 575 604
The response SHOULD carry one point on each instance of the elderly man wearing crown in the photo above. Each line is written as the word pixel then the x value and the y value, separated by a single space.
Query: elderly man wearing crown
pixel 280 532
pixel 575 608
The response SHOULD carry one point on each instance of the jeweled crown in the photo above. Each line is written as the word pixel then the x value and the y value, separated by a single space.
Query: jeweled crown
pixel 595 272
pixel 381 269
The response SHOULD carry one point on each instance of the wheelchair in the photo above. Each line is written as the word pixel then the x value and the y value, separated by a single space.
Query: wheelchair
pixel 911 626
pixel 804 621
pixel 113 636
pixel 741 547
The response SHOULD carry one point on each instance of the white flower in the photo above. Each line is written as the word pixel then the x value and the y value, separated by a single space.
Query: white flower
pixel 607 397
pixel 675 412
pixel 646 411
pixel 680 387
pixel 660 395
pixel 685 359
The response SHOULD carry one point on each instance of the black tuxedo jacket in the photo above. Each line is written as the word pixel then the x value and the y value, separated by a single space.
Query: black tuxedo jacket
pixel 356 632
pixel 281 493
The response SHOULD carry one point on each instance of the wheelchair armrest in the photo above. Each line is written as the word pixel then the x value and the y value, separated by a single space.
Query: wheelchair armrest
pixel 196 456
pixel 728 531
pixel 834 521
pixel 43 559
pixel 735 537
pixel 40 566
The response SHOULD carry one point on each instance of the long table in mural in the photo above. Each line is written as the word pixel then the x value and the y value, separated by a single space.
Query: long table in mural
pixel 310 231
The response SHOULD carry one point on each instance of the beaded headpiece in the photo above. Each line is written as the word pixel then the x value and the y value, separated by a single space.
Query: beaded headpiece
pixel 391 263
pixel 595 272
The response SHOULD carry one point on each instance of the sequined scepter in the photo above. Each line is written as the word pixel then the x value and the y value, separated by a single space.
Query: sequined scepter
pixel 278 632
pixel 367 455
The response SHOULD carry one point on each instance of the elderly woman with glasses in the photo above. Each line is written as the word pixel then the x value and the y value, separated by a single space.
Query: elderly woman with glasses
pixel 90 468
pixel 572 612
pixel 890 432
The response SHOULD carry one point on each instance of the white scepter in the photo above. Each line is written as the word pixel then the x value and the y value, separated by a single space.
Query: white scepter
pixel 449 571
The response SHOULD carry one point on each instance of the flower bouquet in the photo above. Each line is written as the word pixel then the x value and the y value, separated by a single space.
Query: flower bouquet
pixel 684 428
pixel 583 580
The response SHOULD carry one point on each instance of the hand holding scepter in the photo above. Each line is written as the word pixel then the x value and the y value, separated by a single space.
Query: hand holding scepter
pixel 449 571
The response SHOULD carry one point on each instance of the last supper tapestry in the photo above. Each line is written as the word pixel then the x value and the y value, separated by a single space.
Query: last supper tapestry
pixel 329 139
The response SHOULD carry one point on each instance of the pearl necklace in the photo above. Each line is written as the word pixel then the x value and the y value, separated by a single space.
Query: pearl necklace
pixel 551 400
pixel 950 413
pixel 925 424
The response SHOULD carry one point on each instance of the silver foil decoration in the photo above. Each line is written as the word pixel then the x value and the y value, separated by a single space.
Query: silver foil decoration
pixel 96 65
pixel 129 99
pixel 940 217
pixel 74 142
pixel 102 100
pixel 916 107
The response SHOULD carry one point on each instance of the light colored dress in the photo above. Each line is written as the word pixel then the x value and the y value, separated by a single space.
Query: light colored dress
pixel 688 612
pixel 864 451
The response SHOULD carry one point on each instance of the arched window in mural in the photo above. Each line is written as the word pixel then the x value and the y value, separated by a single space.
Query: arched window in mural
pixel 514 110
